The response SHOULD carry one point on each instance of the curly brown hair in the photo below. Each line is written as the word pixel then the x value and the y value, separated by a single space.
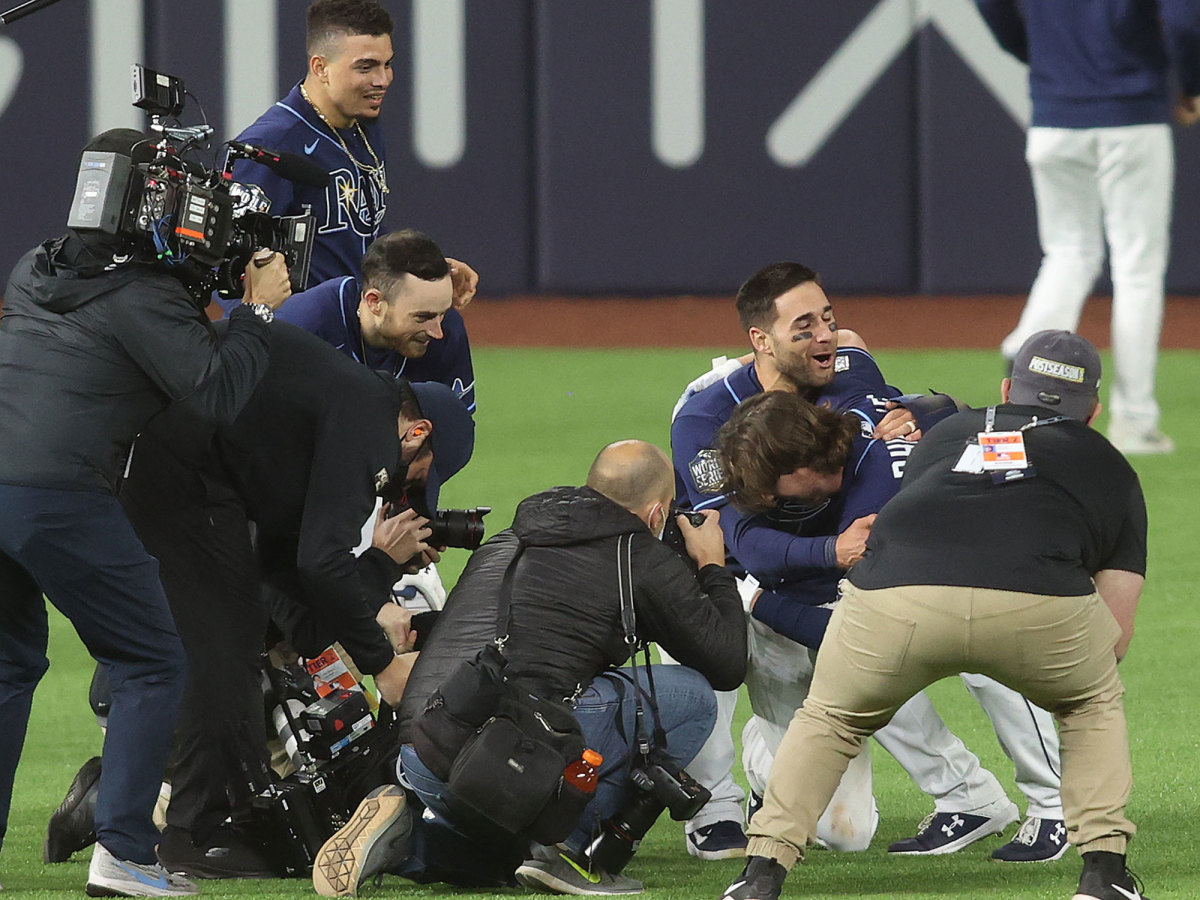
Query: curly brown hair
pixel 773 434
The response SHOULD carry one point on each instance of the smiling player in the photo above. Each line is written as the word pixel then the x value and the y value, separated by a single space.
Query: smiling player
pixel 331 119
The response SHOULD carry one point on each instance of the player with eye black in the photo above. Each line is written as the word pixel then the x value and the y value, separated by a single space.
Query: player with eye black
pixel 797 557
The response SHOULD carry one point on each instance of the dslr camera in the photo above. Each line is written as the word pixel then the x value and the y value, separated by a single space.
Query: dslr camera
pixel 659 784
pixel 176 212
pixel 673 537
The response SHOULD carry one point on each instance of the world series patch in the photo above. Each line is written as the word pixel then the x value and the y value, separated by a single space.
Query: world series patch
pixel 841 363
pixel 706 472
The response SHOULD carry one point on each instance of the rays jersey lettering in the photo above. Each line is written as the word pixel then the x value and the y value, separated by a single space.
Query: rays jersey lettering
pixel 706 471
pixel 353 201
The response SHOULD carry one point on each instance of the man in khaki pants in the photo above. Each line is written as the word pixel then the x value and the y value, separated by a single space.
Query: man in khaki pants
pixel 1016 548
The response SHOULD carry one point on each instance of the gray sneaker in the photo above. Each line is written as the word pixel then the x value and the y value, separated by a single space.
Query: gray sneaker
pixel 112 877
pixel 374 840
pixel 562 875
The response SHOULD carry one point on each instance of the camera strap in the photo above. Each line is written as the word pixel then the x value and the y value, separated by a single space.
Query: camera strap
pixel 504 607
pixel 645 740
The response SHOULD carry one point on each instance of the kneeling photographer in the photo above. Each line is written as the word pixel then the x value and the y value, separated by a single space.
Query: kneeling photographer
pixel 555 602
pixel 300 468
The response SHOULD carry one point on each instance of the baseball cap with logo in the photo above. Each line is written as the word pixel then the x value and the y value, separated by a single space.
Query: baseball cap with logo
pixel 1058 370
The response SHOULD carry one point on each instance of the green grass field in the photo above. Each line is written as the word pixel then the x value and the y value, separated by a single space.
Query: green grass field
pixel 542 417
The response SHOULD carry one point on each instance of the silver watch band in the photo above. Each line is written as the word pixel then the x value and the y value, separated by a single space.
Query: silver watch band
pixel 263 311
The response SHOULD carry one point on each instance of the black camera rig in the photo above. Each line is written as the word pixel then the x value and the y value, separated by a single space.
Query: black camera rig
pixel 176 212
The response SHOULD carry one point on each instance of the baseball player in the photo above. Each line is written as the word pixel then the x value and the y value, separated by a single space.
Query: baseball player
pixel 1049 524
pixel 797 346
pixel 398 317
pixel 331 119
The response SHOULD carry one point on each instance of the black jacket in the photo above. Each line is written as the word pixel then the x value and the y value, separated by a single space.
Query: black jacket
pixel 565 618
pixel 303 458
pixel 88 356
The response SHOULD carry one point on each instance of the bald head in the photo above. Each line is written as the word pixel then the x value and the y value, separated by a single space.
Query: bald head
pixel 633 474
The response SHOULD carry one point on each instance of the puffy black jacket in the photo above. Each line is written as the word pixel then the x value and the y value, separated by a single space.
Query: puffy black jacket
pixel 88 356
pixel 565 623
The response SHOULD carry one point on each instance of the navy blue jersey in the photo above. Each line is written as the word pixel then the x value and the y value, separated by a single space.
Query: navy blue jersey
pixel 791 548
pixel 330 311
pixel 349 210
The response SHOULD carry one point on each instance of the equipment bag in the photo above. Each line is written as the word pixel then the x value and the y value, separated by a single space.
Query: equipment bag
pixel 502 750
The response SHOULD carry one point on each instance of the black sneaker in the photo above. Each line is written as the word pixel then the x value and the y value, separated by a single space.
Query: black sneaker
pixel 949 832
pixel 720 840
pixel 73 825
pixel 1105 877
pixel 762 879
pixel 1037 840
pixel 226 853
pixel 374 841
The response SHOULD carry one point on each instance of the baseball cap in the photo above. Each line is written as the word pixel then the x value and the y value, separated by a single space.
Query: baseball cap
pixel 1058 370
pixel 453 434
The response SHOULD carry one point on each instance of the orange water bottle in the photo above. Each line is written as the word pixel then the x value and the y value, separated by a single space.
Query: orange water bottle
pixel 584 772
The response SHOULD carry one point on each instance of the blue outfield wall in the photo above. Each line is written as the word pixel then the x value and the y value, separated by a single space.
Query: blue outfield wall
pixel 640 146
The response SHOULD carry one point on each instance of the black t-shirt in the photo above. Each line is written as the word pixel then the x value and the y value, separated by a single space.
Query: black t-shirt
pixel 1078 509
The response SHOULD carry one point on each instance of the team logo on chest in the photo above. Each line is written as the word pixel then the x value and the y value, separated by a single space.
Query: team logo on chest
pixel 706 472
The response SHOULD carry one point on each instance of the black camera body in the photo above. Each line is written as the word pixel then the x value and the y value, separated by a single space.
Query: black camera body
pixel 670 784
pixel 658 784
pixel 673 537
pixel 177 213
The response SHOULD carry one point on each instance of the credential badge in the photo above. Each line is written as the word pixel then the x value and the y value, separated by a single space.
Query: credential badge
pixel 706 472
pixel 381 480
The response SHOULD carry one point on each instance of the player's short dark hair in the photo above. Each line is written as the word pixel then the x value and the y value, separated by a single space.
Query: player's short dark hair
pixel 773 434
pixel 400 253
pixel 327 19
pixel 756 296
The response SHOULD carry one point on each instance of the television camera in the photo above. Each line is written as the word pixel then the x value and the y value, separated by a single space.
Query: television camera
pixel 176 212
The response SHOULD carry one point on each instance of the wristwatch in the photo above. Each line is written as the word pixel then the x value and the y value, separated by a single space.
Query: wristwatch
pixel 263 311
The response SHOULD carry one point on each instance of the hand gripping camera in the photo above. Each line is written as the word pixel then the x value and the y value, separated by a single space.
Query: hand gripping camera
pixel 176 212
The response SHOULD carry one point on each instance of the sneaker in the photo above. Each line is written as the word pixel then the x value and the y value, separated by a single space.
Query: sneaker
pixel 73 825
pixel 1037 840
pixel 226 853
pixel 720 840
pixel 112 877
pixel 562 875
pixel 1140 443
pixel 762 879
pixel 1105 877
pixel 374 840
pixel 753 804
pixel 949 832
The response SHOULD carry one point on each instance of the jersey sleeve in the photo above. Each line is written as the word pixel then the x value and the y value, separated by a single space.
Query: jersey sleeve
pixel 319 311
pixel 765 552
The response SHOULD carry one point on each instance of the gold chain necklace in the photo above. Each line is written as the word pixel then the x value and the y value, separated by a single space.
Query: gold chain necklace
pixel 376 172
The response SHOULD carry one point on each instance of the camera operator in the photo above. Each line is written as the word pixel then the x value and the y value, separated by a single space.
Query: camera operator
pixel 565 631
pixel 96 339
pixel 302 465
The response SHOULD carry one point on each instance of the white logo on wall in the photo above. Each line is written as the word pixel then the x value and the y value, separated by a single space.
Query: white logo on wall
pixel 803 128
pixel 11 64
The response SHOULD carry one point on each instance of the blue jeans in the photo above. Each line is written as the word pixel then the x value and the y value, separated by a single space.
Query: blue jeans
pixel 79 549
pixel 606 712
